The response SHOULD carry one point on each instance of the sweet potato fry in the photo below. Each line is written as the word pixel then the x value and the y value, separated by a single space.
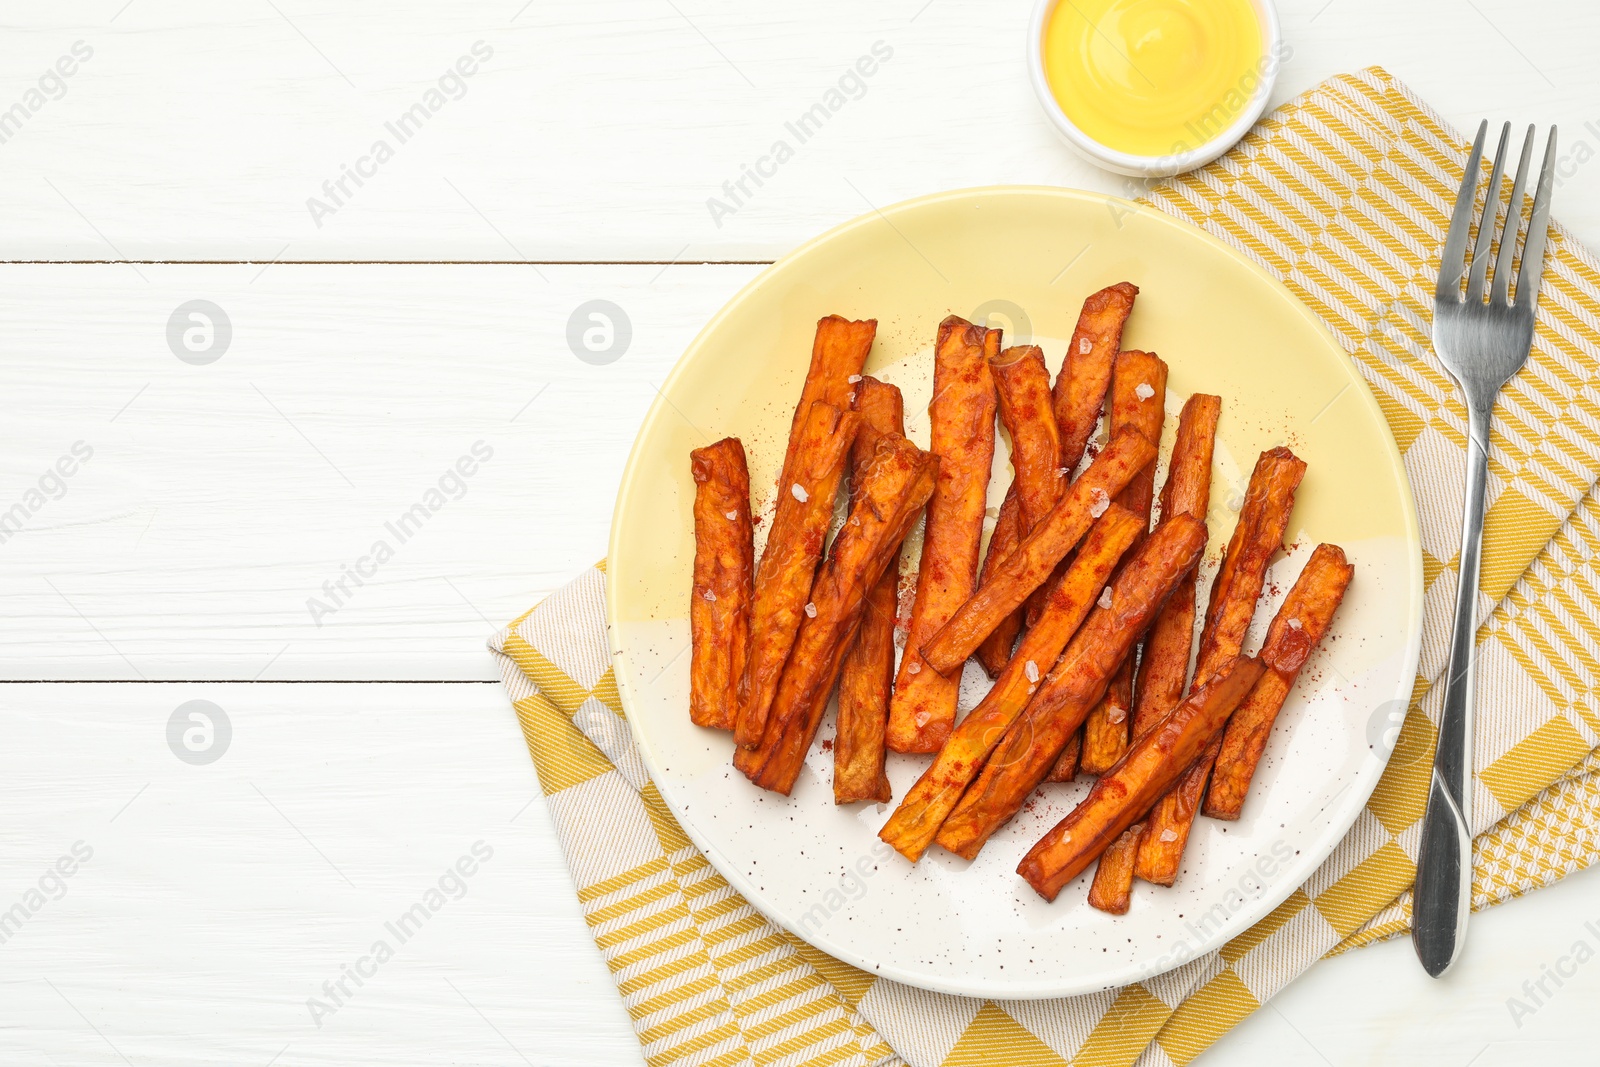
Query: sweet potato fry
pixel 865 679
pixel 1105 729
pixel 1085 377
pixel 1295 631
pixel 1259 534
pixel 867 672
pixel 961 415
pixel 1065 768
pixel 1034 741
pixel 1111 891
pixel 1164 666
pixel 1127 790
pixel 1023 386
pixel 1164 661
pixel 912 826
pixel 1023 383
pixel 995 652
pixel 789 562
pixel 724 573
pixel 1085 374
pixel 1032 563
pixel 893 488
pixel 838 352
pixel 1138 400
pixel 1263 520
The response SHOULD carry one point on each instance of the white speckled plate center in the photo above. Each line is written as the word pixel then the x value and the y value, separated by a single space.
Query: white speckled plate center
pixel 1025 257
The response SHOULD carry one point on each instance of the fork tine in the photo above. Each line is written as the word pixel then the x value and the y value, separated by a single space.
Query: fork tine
pixel 1452 261
pixel 1538 224
pixel 1486 225
pixel 1501 294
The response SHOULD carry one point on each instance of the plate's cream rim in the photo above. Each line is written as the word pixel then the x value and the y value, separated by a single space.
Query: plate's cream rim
pixel 1295 874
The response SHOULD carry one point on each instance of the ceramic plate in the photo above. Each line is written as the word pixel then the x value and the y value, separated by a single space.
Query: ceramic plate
pixel 1024 259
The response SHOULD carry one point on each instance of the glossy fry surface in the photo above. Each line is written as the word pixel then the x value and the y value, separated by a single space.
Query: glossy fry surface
pixel 724 577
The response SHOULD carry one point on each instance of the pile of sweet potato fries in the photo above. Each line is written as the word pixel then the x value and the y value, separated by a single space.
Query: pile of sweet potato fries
pixel 1082 612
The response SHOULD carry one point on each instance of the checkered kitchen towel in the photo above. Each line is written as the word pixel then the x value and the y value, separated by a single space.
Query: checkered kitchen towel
pixel 1344 194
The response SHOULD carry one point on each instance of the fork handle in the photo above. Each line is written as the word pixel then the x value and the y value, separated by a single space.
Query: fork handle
pixel 1443 891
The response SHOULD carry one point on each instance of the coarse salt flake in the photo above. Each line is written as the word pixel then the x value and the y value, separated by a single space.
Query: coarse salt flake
pixel 914 668
pixel 1085 346
pixel 1099 502
pixel 921 718
pixel 811 611
pixel 852 397
pixel 1116 714
pixel 799 493
pixel 1105 597
pixel 855 520
pixel 732 515
pixel 1143 391
pixel 1294 624
pixel 853 379
pixel 1031 669
pixel 708 595
pixel 1169 836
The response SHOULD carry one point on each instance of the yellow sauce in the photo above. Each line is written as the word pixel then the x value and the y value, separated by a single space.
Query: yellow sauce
pixel 1154 77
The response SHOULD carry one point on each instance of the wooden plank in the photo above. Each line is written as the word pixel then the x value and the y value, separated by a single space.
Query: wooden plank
pixel 230 892
pixel 218 499
pixel 599 131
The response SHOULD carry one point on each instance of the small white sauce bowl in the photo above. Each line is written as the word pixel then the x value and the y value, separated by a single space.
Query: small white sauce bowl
pixel 1140 166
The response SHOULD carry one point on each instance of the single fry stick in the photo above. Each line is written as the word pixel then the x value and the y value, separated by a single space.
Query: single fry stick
pixel 1030 747
pixel 865 678
pixel 789 562
pixel 1085 375
pixel 995 652
pixel 1127 790
pixel 1027 413
pixel 912 826
pixel 1263 520
pixel 724 575
pixel 1023 386
pixel 1105 729
pixel 1164 666
pixel 1164 661
pixel 1297 628
pixel 1111 890
pixel 867 672
pixel 838 352
pixel 1138 400
pixel 1258 536
pixel 1031 564
pixel 896 483
pixel 1065 768
pixel 961 414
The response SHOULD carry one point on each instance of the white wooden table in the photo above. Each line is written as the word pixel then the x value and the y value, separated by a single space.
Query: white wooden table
pixel 376 338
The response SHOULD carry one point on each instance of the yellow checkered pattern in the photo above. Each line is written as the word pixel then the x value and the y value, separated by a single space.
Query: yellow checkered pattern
pixel 1344 194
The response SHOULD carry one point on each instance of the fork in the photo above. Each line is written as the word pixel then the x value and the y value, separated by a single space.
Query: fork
pixel 1482 344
